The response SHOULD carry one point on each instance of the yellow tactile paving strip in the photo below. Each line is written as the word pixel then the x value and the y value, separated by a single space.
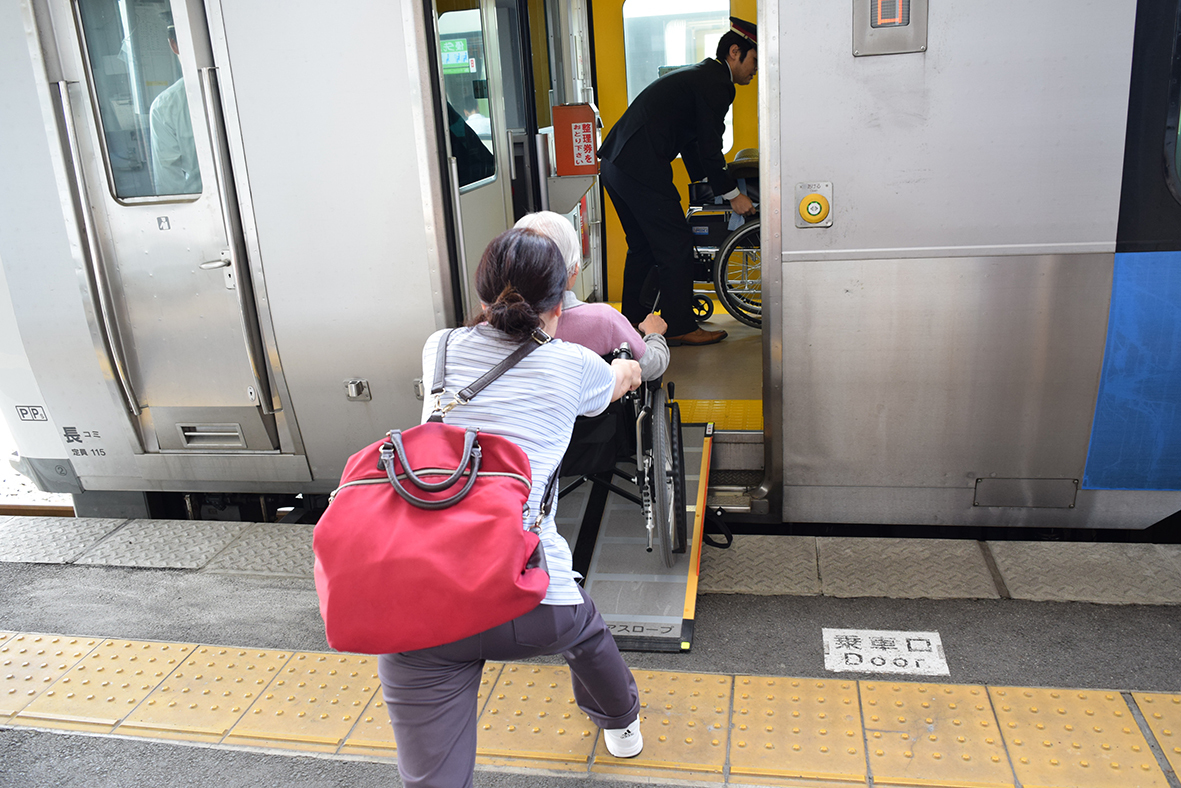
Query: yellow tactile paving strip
pixel 726 414
pixel 698 727
pixel 1080 738
pixel 1163 715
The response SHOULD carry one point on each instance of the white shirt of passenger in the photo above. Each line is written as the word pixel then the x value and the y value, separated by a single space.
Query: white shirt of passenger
pixel 174 151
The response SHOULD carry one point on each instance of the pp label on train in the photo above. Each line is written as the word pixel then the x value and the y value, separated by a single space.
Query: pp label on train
pixel 881 651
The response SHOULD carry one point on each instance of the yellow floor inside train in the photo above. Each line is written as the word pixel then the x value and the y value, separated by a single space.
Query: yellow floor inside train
pixel 698 727
pixel 721 383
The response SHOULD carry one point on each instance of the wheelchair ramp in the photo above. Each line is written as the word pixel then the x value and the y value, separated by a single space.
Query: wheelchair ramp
pixel 647 606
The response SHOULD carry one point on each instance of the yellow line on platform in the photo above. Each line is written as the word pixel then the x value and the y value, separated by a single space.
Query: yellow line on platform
pixel 698 727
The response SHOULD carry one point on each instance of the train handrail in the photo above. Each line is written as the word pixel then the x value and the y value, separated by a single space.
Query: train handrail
pixel 243 284
pixel 97 275
pixel 453 165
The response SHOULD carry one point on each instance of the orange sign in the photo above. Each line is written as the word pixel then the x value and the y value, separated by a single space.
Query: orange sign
pixel 576 139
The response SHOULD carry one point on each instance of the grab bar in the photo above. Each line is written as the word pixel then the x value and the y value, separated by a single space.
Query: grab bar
pixel 244 288
pixel 100 287
pixel 453 165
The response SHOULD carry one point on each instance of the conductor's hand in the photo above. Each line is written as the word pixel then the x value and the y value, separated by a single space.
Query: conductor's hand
pixel 742 205
pixel 653 324
pixel 627 376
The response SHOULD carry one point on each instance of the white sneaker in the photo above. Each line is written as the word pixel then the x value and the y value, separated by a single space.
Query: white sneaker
pixel 624 742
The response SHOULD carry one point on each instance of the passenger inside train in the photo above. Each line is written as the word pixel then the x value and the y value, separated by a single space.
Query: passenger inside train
pixel 598 326
pixel 174 151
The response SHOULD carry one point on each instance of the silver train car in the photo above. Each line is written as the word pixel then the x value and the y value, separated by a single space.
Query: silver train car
pixel 983 328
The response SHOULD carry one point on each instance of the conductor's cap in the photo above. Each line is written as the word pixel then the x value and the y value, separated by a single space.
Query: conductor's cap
pixel 747 30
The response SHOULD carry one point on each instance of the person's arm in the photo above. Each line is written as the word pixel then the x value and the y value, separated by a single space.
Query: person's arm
pixel 655 361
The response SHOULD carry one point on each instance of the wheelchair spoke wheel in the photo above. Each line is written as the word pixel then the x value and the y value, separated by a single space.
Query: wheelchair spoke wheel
pixel 738 275
pixel 703 307
pixel 663 508
pixel 679 513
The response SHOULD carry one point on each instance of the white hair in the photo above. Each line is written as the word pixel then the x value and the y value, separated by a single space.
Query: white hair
pixel 558 229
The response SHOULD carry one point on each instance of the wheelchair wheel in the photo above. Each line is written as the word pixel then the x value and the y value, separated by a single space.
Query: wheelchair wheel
pixel 703 307
pixel 661 478
pixel 738 275
pixel 680 512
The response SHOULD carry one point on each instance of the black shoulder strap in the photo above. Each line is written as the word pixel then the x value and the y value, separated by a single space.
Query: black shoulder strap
pixel 465 395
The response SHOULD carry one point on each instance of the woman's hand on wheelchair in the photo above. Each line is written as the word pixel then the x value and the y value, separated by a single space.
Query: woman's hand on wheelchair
pixel 627 376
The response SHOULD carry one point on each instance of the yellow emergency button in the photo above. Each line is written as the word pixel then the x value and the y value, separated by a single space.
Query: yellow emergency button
pixel 814 208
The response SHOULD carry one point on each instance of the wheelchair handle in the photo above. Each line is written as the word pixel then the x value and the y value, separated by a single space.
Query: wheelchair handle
pixel 623 351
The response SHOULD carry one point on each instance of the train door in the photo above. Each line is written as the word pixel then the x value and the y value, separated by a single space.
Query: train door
pixel 166 258
pixel 475 83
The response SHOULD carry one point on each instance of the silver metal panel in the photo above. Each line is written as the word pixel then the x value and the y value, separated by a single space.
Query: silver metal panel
pixel 934 373
pixel 1032 493
pixel 870 40
pixel 42 254
pixel 947 506
pixel 771 168
pixel 220 472
pixel 347 228
pixel 995 140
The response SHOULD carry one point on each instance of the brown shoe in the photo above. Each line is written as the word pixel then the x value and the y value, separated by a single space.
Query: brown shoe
pixel 697 337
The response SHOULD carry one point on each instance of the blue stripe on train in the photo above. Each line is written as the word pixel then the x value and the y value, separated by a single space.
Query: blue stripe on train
pixel 1136 435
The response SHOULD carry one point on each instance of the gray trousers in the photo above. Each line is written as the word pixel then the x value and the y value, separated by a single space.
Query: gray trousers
pixel 431 693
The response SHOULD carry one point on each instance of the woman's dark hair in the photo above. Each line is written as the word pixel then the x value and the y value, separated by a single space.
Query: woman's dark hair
pixel 521 276
pixel 729 39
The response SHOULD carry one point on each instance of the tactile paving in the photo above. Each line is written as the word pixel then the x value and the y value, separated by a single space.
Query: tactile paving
pixel 1120 574
pixel 283 549
pixel 106 686
pixel 1077 738
pixel 312 705
pixel 754 564
pixel 206 695
pixel 683 719
pixel 51 540
pixel 805 729
pixel 904 568
pixel 1163 715
pixel 162 544
pixel 531 716
pixel 933 734
pixel 30 663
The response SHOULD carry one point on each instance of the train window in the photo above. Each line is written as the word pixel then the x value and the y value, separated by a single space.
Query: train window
pixel 142 100
pixel 465 83
pixel 663 35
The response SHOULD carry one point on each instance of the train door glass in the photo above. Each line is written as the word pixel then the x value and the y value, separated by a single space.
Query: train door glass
pixel 660 36
pixel 474 90
pixel 168 250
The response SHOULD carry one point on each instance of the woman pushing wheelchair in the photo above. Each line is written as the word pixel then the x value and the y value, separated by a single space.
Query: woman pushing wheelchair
pixel 431 693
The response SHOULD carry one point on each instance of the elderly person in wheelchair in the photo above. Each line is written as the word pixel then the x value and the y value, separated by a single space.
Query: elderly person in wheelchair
pixel 637 438
pixel 599 327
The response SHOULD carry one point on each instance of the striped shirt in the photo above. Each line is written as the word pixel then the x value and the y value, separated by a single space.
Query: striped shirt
pixel 534 404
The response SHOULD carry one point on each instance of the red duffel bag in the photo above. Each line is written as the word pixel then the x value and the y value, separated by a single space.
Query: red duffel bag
pixel 425 541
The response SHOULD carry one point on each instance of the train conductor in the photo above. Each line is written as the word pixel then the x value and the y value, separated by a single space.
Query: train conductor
pixel 682 113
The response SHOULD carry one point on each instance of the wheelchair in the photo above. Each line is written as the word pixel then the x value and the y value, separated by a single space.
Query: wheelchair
pixel 727 252
pixel 638 439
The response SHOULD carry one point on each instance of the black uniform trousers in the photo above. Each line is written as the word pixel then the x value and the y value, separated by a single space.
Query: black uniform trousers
pixel 658 241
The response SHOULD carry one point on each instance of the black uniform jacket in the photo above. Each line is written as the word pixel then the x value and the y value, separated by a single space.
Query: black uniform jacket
pixel 683 112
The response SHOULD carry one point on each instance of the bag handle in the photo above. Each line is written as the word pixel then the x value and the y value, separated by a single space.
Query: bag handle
pixel 469 461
